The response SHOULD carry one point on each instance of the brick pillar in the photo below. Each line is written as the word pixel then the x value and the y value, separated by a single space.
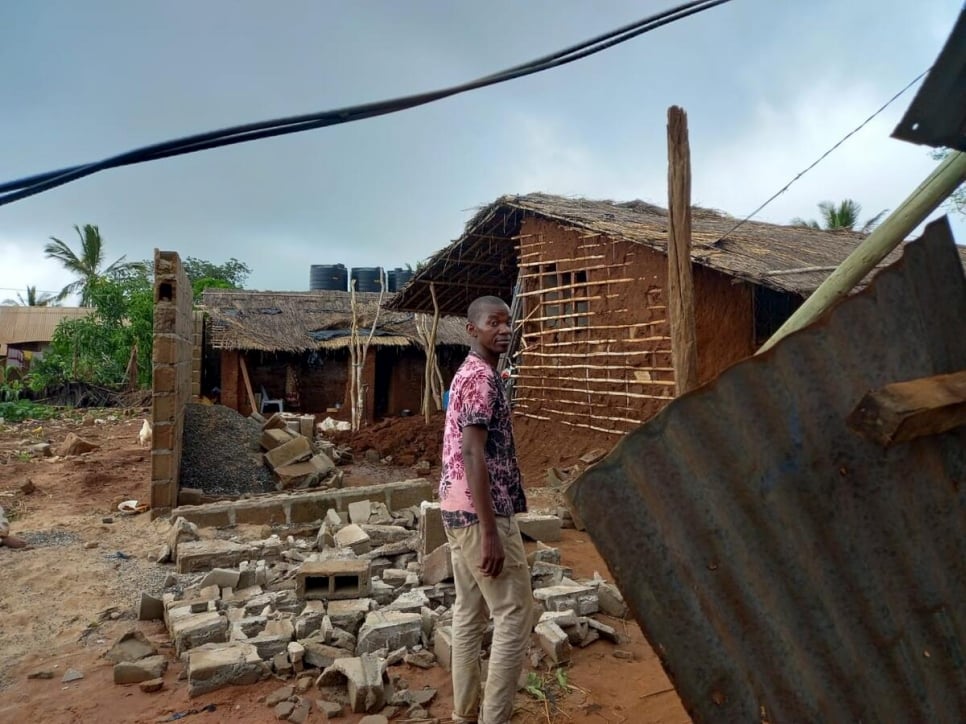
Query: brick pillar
pixel 197 352
pixel 171 378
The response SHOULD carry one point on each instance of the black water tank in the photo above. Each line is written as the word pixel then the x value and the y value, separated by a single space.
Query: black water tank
pixel 398 278
pixel 367 278
pixel 328 277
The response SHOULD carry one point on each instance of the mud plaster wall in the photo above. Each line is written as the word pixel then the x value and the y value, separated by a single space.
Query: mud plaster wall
pixel 171 376
pixel 598 355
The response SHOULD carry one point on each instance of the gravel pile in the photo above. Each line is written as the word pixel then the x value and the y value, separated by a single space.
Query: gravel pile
pixel 221 454
pixel 52 537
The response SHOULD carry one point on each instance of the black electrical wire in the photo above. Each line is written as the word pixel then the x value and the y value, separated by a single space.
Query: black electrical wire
pixel 31 185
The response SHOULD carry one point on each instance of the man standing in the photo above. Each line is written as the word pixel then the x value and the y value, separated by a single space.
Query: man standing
pixel 480 491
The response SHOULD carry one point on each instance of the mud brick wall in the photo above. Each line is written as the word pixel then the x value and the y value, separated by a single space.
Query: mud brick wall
pixel 174 332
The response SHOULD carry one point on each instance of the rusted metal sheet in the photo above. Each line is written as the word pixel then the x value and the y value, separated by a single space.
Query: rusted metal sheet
pixel 784 568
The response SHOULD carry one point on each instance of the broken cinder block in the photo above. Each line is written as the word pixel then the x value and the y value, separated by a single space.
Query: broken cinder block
pixel 333 579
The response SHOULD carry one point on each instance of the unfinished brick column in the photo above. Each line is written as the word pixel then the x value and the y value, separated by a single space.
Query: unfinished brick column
pixel 172 367
pixel 197 353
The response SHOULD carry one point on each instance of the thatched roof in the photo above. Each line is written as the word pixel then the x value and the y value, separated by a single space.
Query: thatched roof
pixel 23 325
pixel 483 260
pixel 301 321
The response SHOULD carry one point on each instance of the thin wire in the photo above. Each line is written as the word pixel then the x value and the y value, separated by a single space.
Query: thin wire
pixel 821 158
pixel 22 188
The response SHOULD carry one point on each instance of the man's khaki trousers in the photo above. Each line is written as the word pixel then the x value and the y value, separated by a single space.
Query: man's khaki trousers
pixel 509 599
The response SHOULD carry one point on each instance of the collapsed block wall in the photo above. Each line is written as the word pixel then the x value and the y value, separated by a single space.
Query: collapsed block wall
pixel 174 330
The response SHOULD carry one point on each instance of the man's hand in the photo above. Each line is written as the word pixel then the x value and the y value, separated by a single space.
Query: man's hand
pixel 491 563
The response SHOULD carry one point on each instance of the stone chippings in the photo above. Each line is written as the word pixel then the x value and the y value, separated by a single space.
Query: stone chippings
pixel 220 455
pixel 240 614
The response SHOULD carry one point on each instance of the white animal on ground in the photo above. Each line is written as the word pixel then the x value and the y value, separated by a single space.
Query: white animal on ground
pixel 144 437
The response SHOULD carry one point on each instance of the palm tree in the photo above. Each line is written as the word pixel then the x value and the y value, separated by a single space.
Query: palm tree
pixel 845 215
pixel 87 266
pixel 33 300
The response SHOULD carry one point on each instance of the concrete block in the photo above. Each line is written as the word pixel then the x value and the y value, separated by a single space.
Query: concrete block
pixel 310 619
pixel 349 614
pixel 213 667
pixel 294 451
pixel 360 511
pixel 307 426
pixel 432 534
pixel 568 597
pixel 333 579
pixel 544 574
pixel 390 630
pixel 536 526
pixel 308 474
pixel 189 632
pixel 275 437
pixel 608 633
pixel 395 577
pixel 554 642
pixel 354 537
pixel 269 646
pixel 203 555
pixel 382 593
pixel 275 422
pixel 443 646
pixel 437 566
pixel 247 627
pixel 545 554
pixel 131 646
pixel 364 678
pixel 134 672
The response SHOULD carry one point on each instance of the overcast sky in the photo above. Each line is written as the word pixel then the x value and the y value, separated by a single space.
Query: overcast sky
pixel 768 87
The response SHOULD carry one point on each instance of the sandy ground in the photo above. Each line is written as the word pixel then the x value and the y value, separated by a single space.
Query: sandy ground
pixel 68 597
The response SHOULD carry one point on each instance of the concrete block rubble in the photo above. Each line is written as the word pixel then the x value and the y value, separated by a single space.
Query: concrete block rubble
pixel 337 607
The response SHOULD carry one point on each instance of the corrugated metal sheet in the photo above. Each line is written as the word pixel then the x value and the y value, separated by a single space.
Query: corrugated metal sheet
pixel 19 325
pixel 783 567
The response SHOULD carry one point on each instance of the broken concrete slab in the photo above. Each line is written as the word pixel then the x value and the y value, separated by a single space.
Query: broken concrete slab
pixel 544 574
pixel 354 537
pixel 432 534
pixel 275 437
pixel 389 630
pixel 214 666
pixel 150 608
pixel 611 601
pixel 365 678
pixel 134 672
pixel 380 535
pixel 182 531
pixel 203 555
pixel 131 646
pixel 333 579
pixel 437 566
pixel 331 709
pixel 281 694
pixel 349 614
pixel 538 526
pixel 443 646
pixel 221 577
pixel 409 602
pixel 320 655
pixel 359 511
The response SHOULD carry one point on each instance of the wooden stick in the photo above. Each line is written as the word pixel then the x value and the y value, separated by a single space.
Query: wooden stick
pixel 631 395
pixel 937 187
pixel 248 383
pixel 628 353
pixel 573 424
pixel 679 274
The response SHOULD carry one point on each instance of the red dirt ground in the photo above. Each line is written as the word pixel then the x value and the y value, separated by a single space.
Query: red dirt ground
pixel 52 598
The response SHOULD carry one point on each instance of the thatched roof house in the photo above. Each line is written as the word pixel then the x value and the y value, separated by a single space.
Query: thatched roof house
pixel 484 260
pixel 301 321
pixel 589 279
pixel 295 347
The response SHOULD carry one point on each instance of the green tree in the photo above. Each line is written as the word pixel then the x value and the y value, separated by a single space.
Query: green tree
pixel 207 275
pixel 33 299
pixel 88 266
pixel 844 215
pixel 97 348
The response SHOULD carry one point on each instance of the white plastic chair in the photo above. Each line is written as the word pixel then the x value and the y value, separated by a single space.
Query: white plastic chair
pixel 267 402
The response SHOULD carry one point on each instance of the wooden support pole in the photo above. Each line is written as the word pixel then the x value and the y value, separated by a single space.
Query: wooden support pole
pixel 904 411
pixel 248 383
pixel 937 187
pixel 680 281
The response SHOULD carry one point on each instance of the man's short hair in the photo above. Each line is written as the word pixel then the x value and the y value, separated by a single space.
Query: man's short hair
pixel 481 305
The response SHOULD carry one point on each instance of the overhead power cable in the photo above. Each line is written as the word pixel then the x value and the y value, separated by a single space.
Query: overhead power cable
pixel 821 158
pixel 31 185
